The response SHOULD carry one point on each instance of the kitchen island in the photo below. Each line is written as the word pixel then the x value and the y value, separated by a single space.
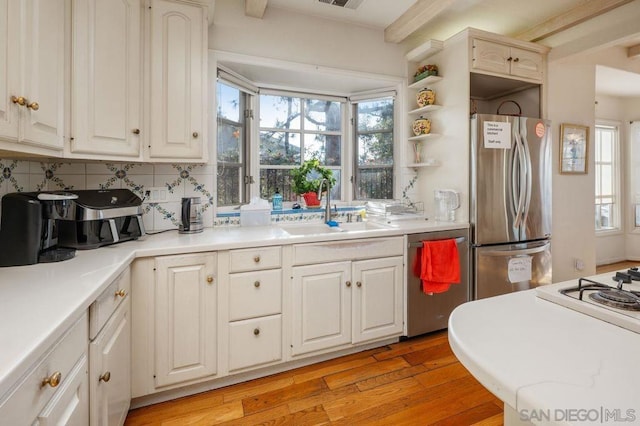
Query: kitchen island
pixel 548 363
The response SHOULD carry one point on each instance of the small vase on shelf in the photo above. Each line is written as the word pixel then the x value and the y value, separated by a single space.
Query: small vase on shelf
pixel 425 97
pixel 421 126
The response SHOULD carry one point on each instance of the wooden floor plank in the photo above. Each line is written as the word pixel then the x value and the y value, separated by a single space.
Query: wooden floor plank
pixel 417 381
pixel 355 375
pixel 282 396
pixel 363 401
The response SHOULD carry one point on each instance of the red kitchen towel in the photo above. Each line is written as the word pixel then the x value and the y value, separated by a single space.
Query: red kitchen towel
pixel 438 265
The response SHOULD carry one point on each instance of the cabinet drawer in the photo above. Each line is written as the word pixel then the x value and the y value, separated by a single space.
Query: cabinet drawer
pixel 333 251
pixel 100 310
pixel 30 397
pixel 255 294
pixel 255 342
pixel 255 259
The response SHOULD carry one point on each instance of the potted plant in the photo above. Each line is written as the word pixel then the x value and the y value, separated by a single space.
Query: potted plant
pixel 305 180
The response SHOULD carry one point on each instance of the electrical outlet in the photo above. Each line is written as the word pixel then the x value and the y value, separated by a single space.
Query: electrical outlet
pixel 156 194
pixel 578 264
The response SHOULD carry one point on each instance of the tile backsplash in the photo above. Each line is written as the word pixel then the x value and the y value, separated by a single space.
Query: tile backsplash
pixel 181 180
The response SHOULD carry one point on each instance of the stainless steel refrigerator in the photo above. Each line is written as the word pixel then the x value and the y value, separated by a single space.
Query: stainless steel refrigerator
pixel 510 203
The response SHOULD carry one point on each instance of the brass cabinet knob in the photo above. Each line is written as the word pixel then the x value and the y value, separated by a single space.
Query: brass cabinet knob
pixel 33 106
pixel 18 100
pixel 136 131
pixel 53 380
pixel 121 293
pixel 105 377
pixel 256 284
pixel 195 134
pixel 256 258
pixel 516 59
pixel 348 283
pixel 358 283
pixel 256 331
pixel 209 279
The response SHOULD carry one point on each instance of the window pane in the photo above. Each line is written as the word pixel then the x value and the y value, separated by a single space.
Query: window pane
pixel 272 179
pixel 322 116
pixel 606 147
pixel 375 149
pixel 279 148
pixel 375 183
pixel 606 179
pixel 375 115
pixel 229 142
pixel 228 102
pixel 228 184
pixel 279 112
pixel 326 148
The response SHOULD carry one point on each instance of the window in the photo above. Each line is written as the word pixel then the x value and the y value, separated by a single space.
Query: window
pixel 607 209
pixel 373 162
pixel 231 143
pixel 295 129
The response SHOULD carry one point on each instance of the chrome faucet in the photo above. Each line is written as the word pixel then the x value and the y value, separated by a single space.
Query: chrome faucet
pixel 327 209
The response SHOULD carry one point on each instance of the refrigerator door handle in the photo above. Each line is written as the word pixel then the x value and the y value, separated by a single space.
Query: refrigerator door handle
pixel 505 253
pixel 528 179
pixel 522 190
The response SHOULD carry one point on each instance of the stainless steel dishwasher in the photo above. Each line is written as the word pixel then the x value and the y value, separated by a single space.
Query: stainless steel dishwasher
pixel 426 313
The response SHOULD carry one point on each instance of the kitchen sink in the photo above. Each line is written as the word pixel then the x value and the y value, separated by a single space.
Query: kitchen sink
pixel 316 228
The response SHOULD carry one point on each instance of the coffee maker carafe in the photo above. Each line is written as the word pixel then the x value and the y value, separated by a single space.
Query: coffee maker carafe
pixel 191 218
pixel 447 201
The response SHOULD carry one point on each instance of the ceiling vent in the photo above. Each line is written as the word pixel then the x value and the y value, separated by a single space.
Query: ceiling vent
pixel 349 4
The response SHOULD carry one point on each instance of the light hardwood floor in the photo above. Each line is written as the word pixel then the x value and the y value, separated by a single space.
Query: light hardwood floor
pixel 415 382
pixel 616 266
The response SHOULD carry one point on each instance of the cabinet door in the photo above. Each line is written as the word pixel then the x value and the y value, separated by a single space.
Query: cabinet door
pixel 44 55
pixel 321 307
pixel 107 69
pixel 110 367
pixel 70 404
pixel 377 298
pixel 9 62
pixel 185 318
pixel 178 80
pixel 488 56
pixel 526 64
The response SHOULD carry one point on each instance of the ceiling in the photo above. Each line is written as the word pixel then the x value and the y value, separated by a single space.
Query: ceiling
pixel 506 17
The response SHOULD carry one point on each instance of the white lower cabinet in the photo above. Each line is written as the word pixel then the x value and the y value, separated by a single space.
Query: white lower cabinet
pixel 110 353
pixel 56 390
pixel 254 342
pixel 185 318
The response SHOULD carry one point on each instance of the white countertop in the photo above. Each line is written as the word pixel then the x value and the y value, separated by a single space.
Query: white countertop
pixel 39 302
pixel 539 357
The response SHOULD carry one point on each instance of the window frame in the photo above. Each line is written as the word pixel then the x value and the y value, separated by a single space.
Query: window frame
pixel 615 164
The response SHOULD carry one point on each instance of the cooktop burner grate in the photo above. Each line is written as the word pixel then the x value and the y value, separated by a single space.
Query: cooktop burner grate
pixel 615 298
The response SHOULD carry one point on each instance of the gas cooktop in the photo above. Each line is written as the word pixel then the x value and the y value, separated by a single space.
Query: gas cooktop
pixel 614 299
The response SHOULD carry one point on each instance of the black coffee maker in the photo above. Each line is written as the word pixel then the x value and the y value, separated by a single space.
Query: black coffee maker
pixel 29 227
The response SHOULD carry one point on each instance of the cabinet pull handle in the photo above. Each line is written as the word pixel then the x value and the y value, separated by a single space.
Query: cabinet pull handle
pixel 18 100
pixel 121 293
pixel 348 283
pixel 256 258
pixel 358 283
pixel 53 380
pixel 210 279
pixel 34 106
pixel 136 131
pixel 105 377
pixel 256 284
pixel 195 135
pixel 256 331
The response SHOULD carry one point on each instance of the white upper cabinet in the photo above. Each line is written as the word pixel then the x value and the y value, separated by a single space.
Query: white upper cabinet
pixel 32 79
pixel 106 104
pixel 506 60
pixel 178 76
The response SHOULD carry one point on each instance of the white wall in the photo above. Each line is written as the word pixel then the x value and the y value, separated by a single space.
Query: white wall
pixel 571 94
pixel 289 36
